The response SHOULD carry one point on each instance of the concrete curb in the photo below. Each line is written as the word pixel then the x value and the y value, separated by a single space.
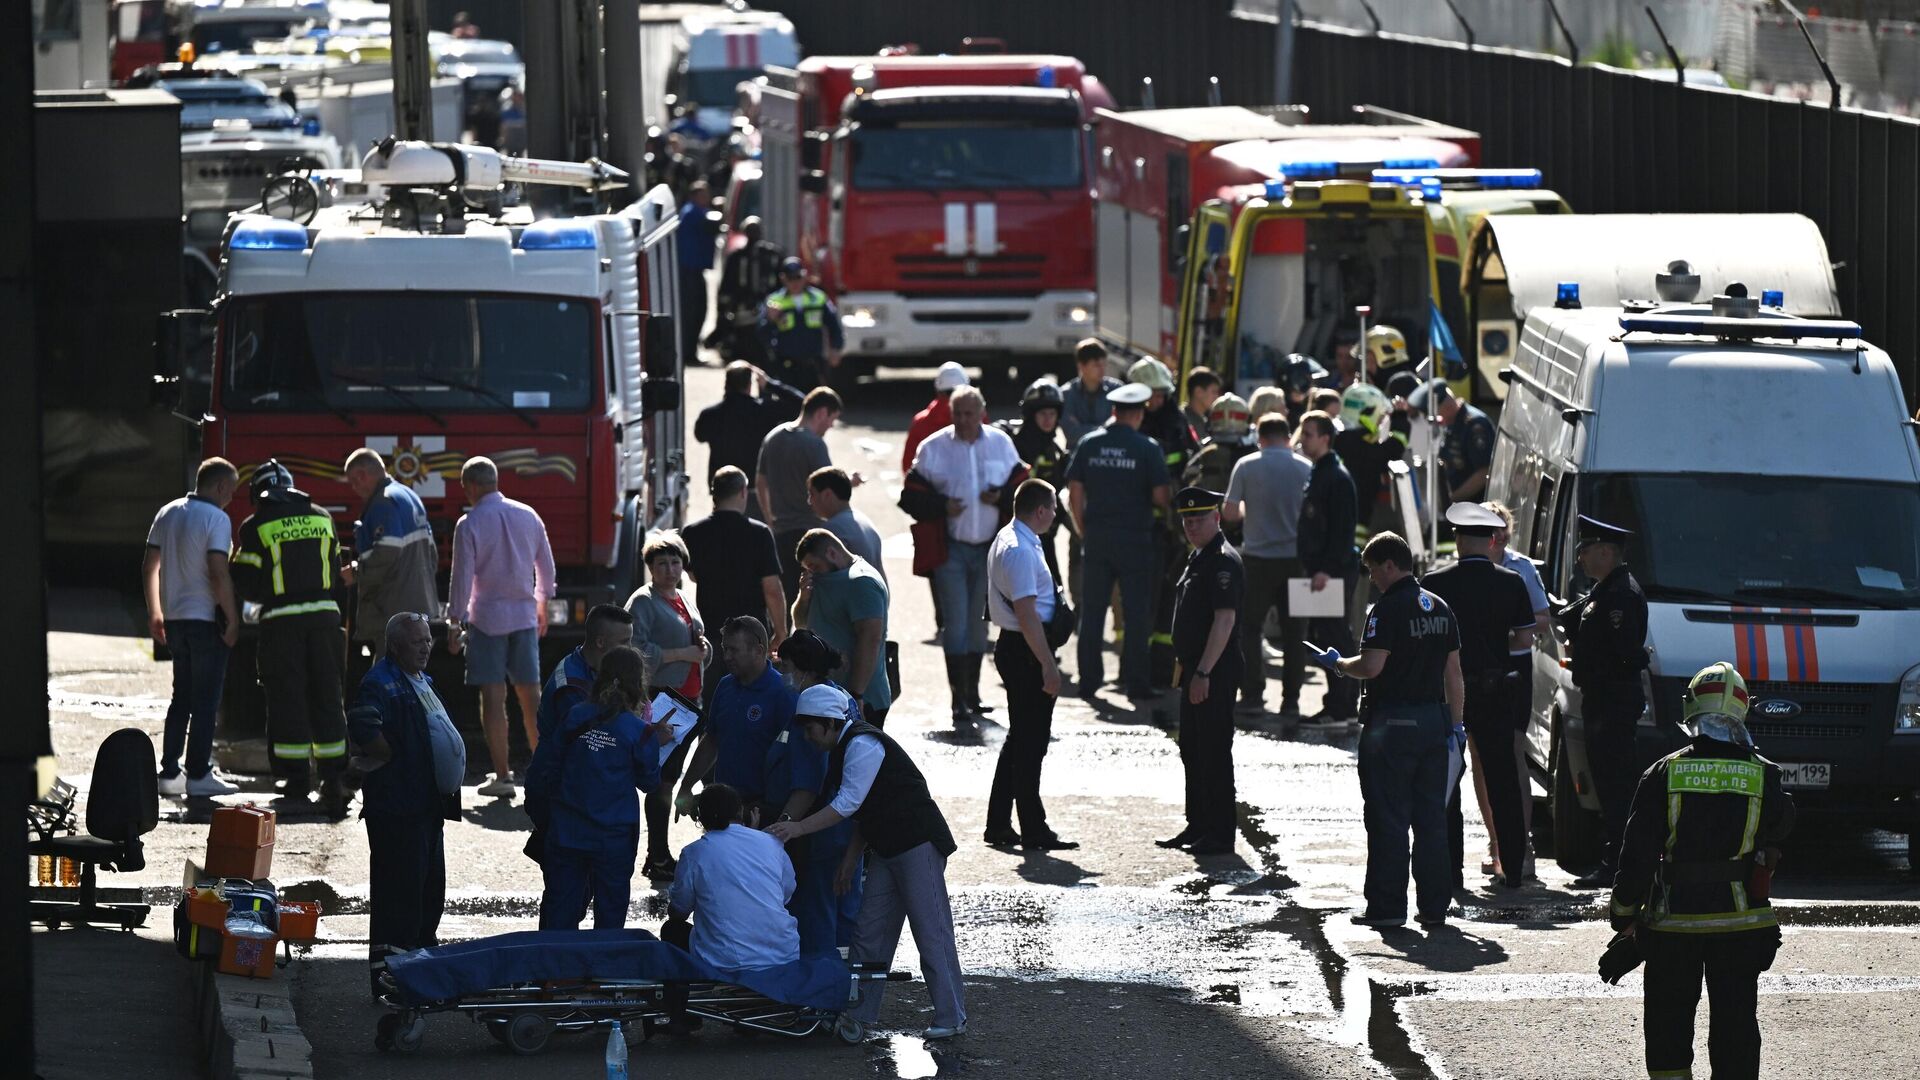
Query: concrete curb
pixel 247 1028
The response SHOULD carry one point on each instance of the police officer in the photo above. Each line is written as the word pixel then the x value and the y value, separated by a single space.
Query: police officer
pixel 287 560
pixel 1116 481
pixel 1207 645
pixel 1466 445
pixel 1696 864
pixel 1415 700
pixel 1166 424
pixel 800 328
pixel 1609 630
pixel 1496 618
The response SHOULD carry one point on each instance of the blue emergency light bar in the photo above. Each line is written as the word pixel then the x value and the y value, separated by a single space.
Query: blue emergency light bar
pixel 1276 189
pixel 268 236
pixel 558 235
pixel 1566 294
pixel 1489 179
pixel 1773 298
pixel 1716 326
pixel 1311 170
pixel 1410 163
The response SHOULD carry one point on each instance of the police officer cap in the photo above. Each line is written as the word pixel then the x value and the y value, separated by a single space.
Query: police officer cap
pixel 792 266
pixel 823 701
pixel 1472 519
pixel 1129 394
pixel 1197 500
pixel 1418 399
pixel 1595 531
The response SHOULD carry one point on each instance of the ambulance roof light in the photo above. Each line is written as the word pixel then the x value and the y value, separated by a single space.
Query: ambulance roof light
pixel 1566 294
pixel 1311 170
pixel 1430 188
pixel 1490 179
pixel 557 235
pixel 1410 163
pixel 1774 298
pixel 268 236
pixel 1277 189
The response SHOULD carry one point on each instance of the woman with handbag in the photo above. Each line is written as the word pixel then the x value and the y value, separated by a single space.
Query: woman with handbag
pixel 602 752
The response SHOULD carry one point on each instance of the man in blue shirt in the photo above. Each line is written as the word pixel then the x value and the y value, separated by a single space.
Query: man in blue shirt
pixel 698 227
pixel 752 710
pixel 396 557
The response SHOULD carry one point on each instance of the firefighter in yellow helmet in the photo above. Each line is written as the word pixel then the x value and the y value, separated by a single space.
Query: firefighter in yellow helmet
pixel 1692 886
pixel 1166 424
pixel 1387 354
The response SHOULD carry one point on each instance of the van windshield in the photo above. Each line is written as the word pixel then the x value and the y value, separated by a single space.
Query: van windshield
pixel 1767 541
pixel 409 351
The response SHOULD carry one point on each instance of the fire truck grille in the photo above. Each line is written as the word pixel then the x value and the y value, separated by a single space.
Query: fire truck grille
pixel 997 270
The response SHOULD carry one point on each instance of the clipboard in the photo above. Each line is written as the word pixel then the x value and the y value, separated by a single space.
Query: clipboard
pixel 1304 603
pixel 677 713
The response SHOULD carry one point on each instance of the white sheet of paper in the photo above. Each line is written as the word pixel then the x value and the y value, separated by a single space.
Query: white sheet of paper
pixel 677 716
pixel 1304 603
pixel 1874 577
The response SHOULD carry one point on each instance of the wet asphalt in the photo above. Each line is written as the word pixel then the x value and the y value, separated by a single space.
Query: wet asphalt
pixel 1119 959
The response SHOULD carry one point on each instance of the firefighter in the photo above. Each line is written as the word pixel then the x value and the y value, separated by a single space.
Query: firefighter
pixel 748 275
pixel 1696 865
pixel 1609 630
pixel 800 328
pixel 1228 426
pixel 1166 425
pixel 287 560
pixel 1036 437
pixel 1387 354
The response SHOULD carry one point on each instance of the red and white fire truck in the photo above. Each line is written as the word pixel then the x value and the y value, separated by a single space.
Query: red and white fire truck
pixel 945 202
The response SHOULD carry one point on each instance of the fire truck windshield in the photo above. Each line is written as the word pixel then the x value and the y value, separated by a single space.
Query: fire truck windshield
pixel 972 154
pixel 413 352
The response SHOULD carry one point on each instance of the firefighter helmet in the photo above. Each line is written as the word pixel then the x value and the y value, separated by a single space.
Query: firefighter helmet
pixel 271 480
pixel 1715 704
pixel 1042 393
pixel 1228 419
pixel 1151 374
pixel 1386 346
pixel 1365 406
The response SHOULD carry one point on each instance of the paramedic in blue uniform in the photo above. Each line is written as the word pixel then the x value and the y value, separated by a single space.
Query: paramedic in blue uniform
pixel 1116 480
pixel 570 684
pixel 800 328
pixel 1206 645
pixel 828 909
pixel 412 761
pixel 1415 697
pixel 601 756
pixel 1609 630
pixel 752 709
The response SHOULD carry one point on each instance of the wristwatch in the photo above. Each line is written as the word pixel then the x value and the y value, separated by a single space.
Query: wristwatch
pixel 1203 675
pixel 786 817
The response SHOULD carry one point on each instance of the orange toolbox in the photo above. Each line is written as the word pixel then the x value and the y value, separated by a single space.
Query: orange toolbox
pixel 240 844
pixel 299 920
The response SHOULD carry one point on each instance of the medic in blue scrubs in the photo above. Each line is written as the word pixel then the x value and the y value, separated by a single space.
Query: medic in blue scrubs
pixel 797 767
pixel 752 710
pixel 591 772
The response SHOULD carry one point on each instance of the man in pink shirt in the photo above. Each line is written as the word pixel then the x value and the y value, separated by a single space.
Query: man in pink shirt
pixel 497 607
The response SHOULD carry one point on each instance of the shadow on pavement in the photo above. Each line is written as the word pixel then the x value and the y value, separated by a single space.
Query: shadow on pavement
pixel 1040 868
pixel 1443 948
pixel 112 1004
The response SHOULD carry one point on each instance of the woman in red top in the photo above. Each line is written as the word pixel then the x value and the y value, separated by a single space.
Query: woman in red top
pixel 668 632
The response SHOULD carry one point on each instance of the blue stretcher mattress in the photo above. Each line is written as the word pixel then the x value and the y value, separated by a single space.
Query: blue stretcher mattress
pixel 449 972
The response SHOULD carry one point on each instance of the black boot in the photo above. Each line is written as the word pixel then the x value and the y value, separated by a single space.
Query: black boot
pixel 974 663
pixel 963 714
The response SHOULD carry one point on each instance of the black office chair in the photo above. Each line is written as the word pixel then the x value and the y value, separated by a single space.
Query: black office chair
pixel 123 806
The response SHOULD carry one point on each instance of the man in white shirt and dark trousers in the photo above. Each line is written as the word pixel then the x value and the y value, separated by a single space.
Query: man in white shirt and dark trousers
pixel 970 464
pixel 871 779
pixel 191 610
pixel 1020 600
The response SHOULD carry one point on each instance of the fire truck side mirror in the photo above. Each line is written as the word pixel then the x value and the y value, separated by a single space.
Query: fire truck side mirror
pixel 813 182
pixel 659 395
pixel 813 150
pixel 183 369
pixel 662 360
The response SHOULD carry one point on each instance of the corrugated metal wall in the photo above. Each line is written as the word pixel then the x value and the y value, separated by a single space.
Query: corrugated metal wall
pixel 1614 142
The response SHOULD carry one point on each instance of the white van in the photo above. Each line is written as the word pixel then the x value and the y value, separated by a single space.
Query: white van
pixel 713 55
pixel 1768 469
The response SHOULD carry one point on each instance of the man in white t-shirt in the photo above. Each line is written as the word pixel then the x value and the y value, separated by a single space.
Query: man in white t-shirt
pixel 191 610
pixel 736 882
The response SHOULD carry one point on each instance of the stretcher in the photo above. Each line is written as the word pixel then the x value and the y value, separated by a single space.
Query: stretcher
pixel 525 987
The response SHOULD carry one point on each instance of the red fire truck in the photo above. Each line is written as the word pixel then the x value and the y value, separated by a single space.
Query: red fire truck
pixel 1158 166
pixel 945 202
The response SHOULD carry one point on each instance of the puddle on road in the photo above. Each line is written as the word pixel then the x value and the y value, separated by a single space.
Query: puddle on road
pixel 910 1057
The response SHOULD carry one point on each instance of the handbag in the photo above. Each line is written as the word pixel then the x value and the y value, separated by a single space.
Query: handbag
pixel 1060 627
pixel 893 670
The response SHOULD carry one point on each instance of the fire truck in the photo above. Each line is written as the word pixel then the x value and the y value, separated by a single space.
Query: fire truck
pixel 943 201
pixel 402 308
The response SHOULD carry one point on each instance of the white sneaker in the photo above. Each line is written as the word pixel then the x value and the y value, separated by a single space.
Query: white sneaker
pixel 937 1032
pixel 499 787
pixel 175 785
pixel 210 785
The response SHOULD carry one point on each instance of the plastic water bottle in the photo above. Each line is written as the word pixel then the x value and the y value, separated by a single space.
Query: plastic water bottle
pixel 617 1053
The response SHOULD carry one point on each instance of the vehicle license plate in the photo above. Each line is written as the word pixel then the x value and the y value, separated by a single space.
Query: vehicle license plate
pixel 1805 774
pixel 973 337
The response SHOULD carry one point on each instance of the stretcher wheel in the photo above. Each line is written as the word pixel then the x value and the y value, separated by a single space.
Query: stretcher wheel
pixel 849 1031
pixel 399 1032
pixel 529 1033
pixel 498 1029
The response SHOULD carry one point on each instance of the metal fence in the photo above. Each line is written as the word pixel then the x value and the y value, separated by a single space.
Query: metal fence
pixel 1619 142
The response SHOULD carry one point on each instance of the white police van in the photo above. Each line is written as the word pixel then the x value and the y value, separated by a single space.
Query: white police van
pixel 1768 469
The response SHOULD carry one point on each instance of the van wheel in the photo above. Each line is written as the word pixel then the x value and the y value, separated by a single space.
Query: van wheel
pixel 1576 830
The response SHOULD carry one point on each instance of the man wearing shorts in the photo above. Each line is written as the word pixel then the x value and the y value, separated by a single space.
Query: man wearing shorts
pixel 497 608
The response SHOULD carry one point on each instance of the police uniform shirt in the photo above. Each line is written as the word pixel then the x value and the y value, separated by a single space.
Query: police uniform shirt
pixel 801 326
pixel 1417 630
pixel 1214 581
pixel 1017 569
pixel 1467 446
pixel 1489 602
pixel 1119 468
pixel 1610 638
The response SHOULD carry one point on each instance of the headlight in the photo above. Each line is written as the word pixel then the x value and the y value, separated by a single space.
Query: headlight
pixel 557 611
pixel 1906 715
pixel 1077 314
pixel 864 318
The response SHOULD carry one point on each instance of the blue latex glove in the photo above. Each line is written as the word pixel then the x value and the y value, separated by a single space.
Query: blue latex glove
pixel 1327 658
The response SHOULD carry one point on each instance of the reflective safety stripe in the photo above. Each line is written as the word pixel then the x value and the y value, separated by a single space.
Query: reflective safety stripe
pixel 246 558
pixel 1716 776
pixel 1621 910
pixel 1718 923
pixel 330 749
pixel 295 750
pixel 307 608
pixel 422 533
pixel 1161 639
pixel 1753 828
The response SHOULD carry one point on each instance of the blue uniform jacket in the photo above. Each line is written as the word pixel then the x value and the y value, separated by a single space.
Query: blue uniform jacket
pixel 593 780
pixel 748 721
pixel 404 786
pixel 794 765
pixel 570 685
pixel 394 513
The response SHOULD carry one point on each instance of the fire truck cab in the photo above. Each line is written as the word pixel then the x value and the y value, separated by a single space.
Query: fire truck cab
pixel 943 201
